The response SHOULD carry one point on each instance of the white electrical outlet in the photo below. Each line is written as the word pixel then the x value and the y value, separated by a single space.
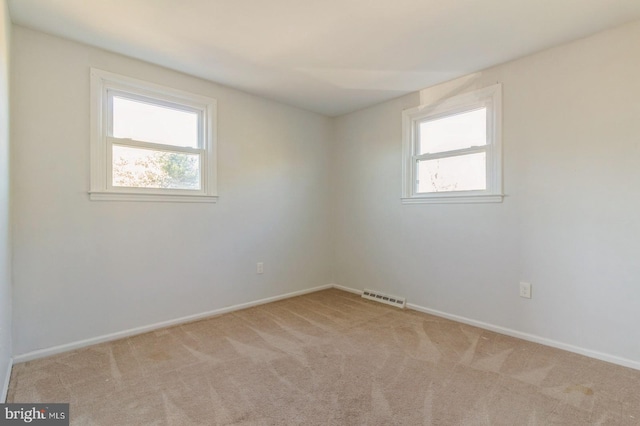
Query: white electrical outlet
pixel 260 268
pixel 525 290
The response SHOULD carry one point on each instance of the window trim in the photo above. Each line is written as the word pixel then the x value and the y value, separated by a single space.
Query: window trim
pixel 104 85
pixel 489 97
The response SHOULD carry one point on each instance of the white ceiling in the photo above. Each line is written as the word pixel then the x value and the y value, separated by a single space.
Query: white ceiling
pixel 330 56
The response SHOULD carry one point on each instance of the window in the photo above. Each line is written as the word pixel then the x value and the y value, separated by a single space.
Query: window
pixel 452 149
pixel 150 143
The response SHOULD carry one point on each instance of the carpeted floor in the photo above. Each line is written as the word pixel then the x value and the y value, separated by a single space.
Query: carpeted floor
pixel 329 358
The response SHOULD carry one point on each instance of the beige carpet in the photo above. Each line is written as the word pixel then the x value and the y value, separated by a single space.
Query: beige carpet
pixel 329 358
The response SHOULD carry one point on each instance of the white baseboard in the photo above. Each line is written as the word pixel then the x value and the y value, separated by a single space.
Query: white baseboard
pixel 531 337
pixel 5 385
pixel 41 353
pixel 349 289
pixel 518 334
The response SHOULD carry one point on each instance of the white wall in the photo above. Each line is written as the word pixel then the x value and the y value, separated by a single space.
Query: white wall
pixel 569 224
pixel 86 268
pixel 5 234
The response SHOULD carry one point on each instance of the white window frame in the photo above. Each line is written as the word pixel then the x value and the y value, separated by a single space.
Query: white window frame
pixel 104 85
pixel 489 98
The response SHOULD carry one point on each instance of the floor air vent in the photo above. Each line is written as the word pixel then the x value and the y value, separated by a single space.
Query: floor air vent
pixel 398 302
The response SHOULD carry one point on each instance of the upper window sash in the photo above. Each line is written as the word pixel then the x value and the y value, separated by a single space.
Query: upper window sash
pixel 159 100
pixel 442 112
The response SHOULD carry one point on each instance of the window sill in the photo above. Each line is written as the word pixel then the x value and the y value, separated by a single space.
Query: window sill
pixel 453 199
pixel 167 198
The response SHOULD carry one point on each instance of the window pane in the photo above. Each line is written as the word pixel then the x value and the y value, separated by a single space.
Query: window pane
pixel 454 132
pixel 146 168
pixel 154 123
pixel 460 173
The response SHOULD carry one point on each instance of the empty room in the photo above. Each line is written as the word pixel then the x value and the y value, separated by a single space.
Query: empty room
pixel 349 212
